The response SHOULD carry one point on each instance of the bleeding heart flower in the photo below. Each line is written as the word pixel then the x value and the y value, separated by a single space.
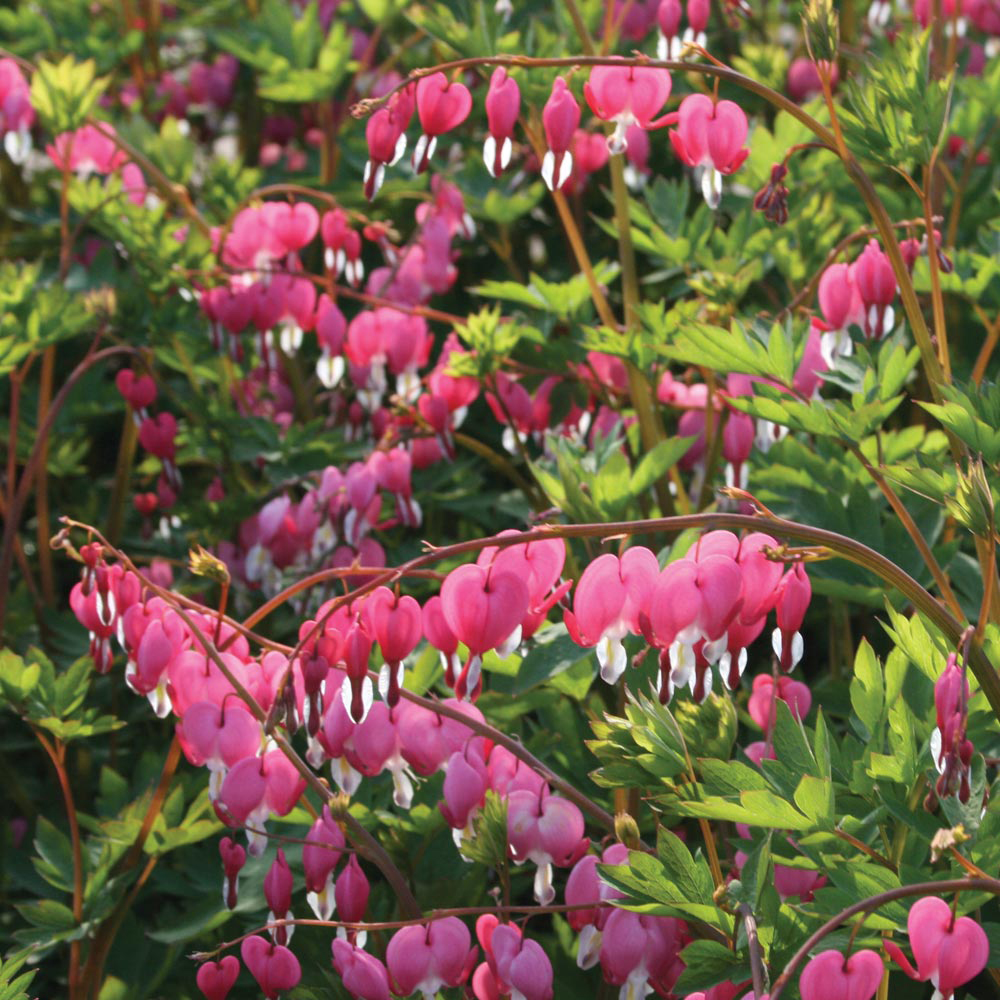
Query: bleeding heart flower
pixel 609 598
pixel 429 958
pixel 441 107
pixel 710 137
pixel 521 964
pixel 396 624
pixel 627 95
pixel 544 829
pixel 216 979
pixel 831 976
pixel 482 608
pixel 274 967
pixel 364 976
pixel 949 951
pixel 294 226
pixel 156 435
pixel 138 392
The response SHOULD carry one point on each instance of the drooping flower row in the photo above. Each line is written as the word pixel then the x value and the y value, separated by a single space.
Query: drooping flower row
pixel 709 136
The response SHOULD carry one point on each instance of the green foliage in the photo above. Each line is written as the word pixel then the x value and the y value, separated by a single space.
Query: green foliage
pixel 296 62
pixel 599 484
pixel 65 94
pixel 35 314
pixel 897 116
pixel 14 982
pixel 563 300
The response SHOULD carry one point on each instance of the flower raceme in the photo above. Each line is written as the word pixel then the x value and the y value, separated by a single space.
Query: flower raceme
pixel 699 611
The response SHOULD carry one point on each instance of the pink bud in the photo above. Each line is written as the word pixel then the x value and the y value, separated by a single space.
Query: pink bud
pixel 560 119
pixel 278 885
pixel 396 625
pixel 803 81
pixel 668 15
pixel 351 892
pixel 233 859
pixel 465 784
pixel 876 283
pixel 503 104
pixel 951 692
pixel 321 851
pixel 794 594
pixel 698 12
pixel 737 437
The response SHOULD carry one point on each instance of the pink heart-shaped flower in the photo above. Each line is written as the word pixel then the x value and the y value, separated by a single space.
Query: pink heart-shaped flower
pixel 216 979
pixel 829 976
pixel 482 607
pixel 441 105
pixel 274 967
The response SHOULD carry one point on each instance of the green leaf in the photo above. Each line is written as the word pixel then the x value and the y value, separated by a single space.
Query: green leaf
pixel 552 653
pixel 867 691
pixel 730 777
pixel 48 914
pixel 656 462
pixel 55 863
pixel 708 963
pixel 649 890
pixel 692 878
pixel 64 94
pixel 755 808
pixel 754 874
pixel 488 845
pixel 196 920
pixel 815 798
